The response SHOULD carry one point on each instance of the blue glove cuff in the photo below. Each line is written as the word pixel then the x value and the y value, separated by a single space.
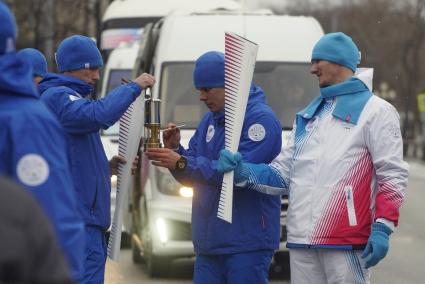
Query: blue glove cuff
pixel 242 172
pixel 379 227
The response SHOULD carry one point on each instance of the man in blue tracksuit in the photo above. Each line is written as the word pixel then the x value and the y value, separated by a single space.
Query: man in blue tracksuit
pixel 65 94
pixel 38 62
pixel 33 149
pixel 240 252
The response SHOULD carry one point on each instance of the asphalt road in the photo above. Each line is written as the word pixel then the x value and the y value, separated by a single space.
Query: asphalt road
pixel 180 272
pixel 404 264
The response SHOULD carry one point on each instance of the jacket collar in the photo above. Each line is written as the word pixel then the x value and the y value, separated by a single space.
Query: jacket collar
pixel 58 80
pixel 351 97
pixel 256 95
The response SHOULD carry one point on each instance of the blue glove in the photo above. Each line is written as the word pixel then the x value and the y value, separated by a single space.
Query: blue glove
pixel 377 245
pixel 228 161
pixel 233 162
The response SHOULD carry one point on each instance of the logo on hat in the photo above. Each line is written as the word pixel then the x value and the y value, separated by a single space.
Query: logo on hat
pixel 10 45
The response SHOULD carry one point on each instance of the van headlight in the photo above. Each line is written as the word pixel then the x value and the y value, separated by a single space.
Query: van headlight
pixel 161 228
pixel 186 191
pixel 167 184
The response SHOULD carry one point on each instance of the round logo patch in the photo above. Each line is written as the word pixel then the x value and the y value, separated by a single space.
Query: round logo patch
pixel 256 132
pixel 32 170
pixel 394 131
pixel 210 133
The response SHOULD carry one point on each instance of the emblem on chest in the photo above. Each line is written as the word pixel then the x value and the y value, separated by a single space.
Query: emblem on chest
pixel 256 132
pixel 210 133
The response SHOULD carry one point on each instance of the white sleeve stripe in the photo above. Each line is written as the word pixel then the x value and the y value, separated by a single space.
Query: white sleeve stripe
pixel 254 183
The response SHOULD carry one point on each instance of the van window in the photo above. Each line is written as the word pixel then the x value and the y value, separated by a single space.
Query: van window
pixel 114 80
pixel 123 23
pixel 183 105
pixel 115 76
pixel 289 87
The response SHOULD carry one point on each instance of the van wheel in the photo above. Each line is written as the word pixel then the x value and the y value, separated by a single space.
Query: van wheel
pixel 136 254
pixel 125 240
pixel 157 266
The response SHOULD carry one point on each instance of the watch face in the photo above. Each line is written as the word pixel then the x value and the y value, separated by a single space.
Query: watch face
pixel 181 163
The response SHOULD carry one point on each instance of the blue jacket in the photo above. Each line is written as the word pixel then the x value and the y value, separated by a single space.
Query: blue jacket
pixel 256 216
pixel 33 153
pixel 82 119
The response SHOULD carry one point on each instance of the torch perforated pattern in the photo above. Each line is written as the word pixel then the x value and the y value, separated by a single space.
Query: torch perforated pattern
pixel 123 136
pixel 239 63
pixel 130 131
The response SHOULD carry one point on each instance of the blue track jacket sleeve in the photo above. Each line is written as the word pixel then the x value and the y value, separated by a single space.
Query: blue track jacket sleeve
pixel 81 116
pixel 265 179
pixel 41 166
pixel 199 168
pixel 272 178
pixel 204 170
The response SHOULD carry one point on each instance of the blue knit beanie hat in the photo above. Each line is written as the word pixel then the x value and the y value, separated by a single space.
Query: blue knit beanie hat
pixel 78 52
pixel 209 70
pixel 36 59
pixel 8 30
pixel 337 48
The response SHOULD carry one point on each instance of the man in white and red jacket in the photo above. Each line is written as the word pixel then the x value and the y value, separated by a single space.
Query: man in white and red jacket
pixel 343 169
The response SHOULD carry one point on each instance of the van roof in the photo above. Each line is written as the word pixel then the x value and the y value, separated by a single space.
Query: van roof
pixel 159 8
pixel 280 38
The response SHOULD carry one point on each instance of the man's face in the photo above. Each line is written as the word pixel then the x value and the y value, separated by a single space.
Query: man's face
pixel 327 72
pixel 213 98
pixel 89 75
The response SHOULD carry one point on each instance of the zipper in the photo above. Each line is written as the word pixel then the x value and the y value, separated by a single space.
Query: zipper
pixel 352 220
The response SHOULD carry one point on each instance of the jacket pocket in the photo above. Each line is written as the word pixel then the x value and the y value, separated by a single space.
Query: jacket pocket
pixel 349 198
pixel 94 201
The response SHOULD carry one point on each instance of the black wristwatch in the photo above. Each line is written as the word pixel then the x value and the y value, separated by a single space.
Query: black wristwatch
pixel 181 164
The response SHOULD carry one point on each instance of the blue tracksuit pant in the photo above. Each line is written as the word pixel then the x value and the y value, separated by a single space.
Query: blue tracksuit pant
pixel 95 256
pixel 244 268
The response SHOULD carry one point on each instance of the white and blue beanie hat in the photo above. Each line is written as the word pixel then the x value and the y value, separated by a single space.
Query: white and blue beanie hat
pixel 337 48
pixel 8 31
pixel 209 70
pixel 78 52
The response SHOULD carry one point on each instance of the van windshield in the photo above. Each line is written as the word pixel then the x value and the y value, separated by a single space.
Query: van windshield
pixel 289 87
pixel 114 80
